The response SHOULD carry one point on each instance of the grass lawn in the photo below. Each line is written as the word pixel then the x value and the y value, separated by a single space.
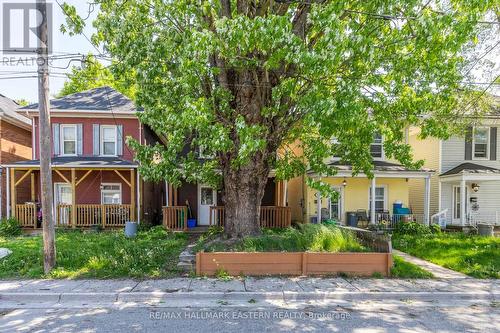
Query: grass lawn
pixel 406 270
pixel 152 254
pixel 472 255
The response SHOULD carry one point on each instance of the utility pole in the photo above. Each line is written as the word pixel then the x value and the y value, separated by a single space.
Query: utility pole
pixel 49 245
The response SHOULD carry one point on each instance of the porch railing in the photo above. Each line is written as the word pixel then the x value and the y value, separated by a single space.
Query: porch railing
pixel 175 217
pixel 270 216
pixel 26 215
pixel 92 214
pixel 390 221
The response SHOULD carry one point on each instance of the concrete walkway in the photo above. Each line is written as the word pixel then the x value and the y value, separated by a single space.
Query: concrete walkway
pixel 199 292
pixel 439 271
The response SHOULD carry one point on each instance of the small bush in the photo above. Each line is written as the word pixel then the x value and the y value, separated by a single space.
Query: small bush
pixel 10 227
pixel 414 228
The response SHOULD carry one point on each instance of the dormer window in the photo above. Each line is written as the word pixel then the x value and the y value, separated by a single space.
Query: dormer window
pixel 68 140
pixel 481 143
pixel 377 147
pixel 108 140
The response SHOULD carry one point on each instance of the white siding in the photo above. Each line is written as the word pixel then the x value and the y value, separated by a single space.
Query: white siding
pixel 453 154
pixel 446 200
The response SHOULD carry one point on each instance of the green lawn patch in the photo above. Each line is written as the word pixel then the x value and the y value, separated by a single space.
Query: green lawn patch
pixel 306 237
pixel 406 270
pixel 476 256
pixel 152 254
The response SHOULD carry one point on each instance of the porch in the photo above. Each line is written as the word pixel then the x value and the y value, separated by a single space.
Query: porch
pixel 470 192
pixel 204 206
pixel 381 201
pixel 87 193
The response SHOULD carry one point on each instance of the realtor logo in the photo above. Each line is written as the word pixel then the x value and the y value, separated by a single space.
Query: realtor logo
pixel 21 22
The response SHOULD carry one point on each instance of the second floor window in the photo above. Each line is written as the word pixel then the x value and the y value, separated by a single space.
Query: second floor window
pixel 376 148
pixel 480 142
pixel 108 140
pixel 68 139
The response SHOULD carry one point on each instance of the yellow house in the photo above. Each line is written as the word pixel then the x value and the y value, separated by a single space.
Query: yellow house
pixel 359 195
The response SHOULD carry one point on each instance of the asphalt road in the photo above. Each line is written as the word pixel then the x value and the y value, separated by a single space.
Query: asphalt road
pixel 472 318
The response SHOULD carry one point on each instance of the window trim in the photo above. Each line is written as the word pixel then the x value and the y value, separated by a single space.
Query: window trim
pixel 61 139
pixel 386 196
pixel 101 135
pixel 488 143
pixel 111 191
pixel 381 144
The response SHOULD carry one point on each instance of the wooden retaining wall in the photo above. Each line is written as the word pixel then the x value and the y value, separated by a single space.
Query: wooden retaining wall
pixel 293 263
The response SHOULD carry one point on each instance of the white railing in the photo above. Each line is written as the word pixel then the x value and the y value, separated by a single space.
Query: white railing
pixel 440 218
pixel 487 217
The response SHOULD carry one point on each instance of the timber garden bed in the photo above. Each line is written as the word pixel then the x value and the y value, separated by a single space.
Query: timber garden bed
pixel 308 249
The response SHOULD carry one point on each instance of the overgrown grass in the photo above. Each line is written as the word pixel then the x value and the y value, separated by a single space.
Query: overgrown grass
pixel 151 254
pixel 406 270
pixel 307 237
pixel 476 256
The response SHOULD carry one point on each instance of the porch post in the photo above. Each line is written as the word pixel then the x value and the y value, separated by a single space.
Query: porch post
pixel 427 200
pixel 463 201
pixel 139 187
pixel 13 191
pixel 166 194
pixel 7 199
pixel 33 195
pixel 318 197
pixel 372 202
pixel 73 198
pixel 132 194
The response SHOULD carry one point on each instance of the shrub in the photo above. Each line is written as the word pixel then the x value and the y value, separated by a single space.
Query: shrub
pixel 414 228
pixel 10 227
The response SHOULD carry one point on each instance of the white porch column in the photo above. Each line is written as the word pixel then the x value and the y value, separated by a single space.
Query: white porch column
pixel 138 196
pixel 372 202
pixel 463 200
pixel 427 200
pixel 318 199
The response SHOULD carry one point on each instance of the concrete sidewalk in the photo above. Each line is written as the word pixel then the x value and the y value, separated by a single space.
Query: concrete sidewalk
pixel 439 272
pixel 201 292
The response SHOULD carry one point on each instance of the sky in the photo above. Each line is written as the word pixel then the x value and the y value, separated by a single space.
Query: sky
pixel 16 65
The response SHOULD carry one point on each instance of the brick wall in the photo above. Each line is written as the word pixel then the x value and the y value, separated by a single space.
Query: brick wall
pixel 15 145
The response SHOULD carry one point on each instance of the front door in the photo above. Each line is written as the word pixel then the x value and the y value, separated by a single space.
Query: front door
pixel 207 197
pixel 456 204
pixel 336 205
pixel 62 196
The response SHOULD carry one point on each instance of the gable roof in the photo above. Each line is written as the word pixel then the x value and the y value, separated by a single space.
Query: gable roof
pixel 8 112
pixel 470 168
pixel 98 99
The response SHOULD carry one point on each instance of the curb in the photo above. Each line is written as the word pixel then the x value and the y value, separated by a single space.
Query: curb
pixel 188 297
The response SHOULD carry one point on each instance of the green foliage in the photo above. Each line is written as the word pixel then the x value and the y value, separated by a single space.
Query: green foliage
pixel 308 237
pixel 94 75
pixel 10 227
pixel 414 228
pixel 151 254
pixel 406 270
pixel 476 256
pixel 243 82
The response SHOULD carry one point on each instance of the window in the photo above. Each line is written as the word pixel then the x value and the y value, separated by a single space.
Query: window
pixel 111 194
pixel 457 211
pixel 480 142
pixel 68 139
pixel 207 196
pixel 108 140
pixel 379 199
pixel 376 148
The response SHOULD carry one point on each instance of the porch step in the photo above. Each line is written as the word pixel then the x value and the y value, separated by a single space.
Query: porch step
pixel 187 257
pixel 197 230
pixel 185 266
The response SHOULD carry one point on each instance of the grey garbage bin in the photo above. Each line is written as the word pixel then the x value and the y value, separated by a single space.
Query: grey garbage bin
pixel 352 219
pixel 130 229
pixel 485 229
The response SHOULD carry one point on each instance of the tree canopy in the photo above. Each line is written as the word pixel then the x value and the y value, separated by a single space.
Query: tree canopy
pixel 247 79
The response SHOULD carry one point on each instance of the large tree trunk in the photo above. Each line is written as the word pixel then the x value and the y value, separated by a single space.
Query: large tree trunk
pixel 243 192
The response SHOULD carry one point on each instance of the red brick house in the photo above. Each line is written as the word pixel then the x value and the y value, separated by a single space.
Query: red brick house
pixel 94 174
pixel 15 145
